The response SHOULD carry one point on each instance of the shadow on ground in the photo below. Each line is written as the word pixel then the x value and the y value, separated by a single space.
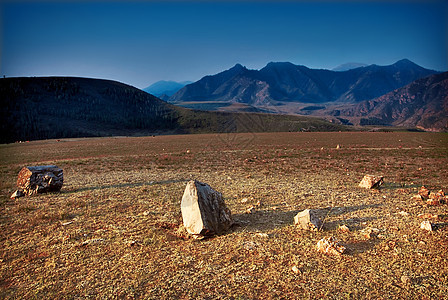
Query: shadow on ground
pixel 121 185
pixel 265 219
pixel 358 247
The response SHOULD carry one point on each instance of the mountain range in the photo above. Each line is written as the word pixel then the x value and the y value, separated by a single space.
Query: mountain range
pixel 348 66
pixel 276 98
pixel 66 107
pixel 281 82
pixel 361 95
pixel 422 103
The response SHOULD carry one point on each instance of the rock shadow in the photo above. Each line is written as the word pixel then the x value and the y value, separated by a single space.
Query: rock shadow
pixel 440 226
pixel 396 186
pixel 358 247
pixel 121 185
pixel 353 223
pixel 341 210
pixel 266 219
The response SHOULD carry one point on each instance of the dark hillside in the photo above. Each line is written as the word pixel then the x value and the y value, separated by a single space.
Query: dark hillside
pixel 57 107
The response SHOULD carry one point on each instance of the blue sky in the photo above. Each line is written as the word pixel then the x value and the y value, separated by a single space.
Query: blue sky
pixel 141 42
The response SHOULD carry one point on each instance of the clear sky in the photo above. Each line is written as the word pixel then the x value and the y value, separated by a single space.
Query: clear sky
pixel 141 42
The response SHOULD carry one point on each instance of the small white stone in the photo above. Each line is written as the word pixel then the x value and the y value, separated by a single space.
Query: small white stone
pixel 426 225
pixel 263 235
pixel 405 279
pixel 250 210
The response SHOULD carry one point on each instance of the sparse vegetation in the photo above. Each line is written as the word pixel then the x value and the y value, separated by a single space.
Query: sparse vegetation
pixel 114 230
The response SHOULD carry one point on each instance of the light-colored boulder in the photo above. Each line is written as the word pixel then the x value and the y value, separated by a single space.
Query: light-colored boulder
pixel 308 219
pixel 371 181
pixel 426 225
pixel 204 212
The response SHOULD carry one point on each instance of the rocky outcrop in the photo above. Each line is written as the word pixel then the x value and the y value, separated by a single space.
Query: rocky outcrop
pixel 39 179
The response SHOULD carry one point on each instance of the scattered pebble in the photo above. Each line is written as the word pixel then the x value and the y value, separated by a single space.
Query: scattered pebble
pixel 295 269
pixel 370 232
pixel 426 225
pixel 250 210
pixel 263 235
pixel 93 241
pixel 428 216
pixel 343 228
pixel 132 243
pixel 405 279
pixel 249 245
pixel 330 245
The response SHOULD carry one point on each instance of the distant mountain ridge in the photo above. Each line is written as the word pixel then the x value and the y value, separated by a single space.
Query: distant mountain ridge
pixel 349 66
pixel 284 81
pixel 66 107
pixel 165 88
pixel 422 103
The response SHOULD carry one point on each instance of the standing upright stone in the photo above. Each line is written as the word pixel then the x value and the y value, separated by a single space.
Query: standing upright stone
pixel 204 212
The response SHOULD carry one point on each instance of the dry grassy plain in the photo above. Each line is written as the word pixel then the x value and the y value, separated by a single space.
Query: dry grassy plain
pixel 114 229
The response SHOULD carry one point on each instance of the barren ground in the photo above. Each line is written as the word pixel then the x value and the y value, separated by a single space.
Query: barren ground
pixel 114 230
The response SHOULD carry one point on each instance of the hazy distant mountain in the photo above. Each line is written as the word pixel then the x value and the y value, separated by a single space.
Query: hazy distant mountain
pixel 284 81
pixel 422 103
pixel 167 88
pixel 348 66
pixel 61 107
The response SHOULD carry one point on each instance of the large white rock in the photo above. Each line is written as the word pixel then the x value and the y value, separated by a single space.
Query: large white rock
pixel 308 219
pixel 204 212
